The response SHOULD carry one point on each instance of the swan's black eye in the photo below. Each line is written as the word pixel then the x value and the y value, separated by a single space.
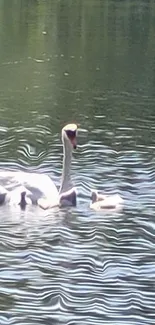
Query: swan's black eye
pixel 71 134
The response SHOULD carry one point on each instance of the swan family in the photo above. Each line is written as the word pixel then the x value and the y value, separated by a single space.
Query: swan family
pixel 23 188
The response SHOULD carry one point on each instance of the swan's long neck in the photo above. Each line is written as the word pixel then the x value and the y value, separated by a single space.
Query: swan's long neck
pixel 66 183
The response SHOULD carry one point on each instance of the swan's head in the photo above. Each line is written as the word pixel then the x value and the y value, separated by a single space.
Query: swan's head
pixel 69 133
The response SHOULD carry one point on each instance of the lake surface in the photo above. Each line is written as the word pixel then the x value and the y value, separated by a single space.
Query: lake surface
pixel 93 63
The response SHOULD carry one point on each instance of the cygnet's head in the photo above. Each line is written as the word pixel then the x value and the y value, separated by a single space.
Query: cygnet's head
pixel 94 196
pixel 69 134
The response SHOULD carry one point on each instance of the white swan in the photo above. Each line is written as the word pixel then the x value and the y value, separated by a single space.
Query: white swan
pixel 43 189
pixel 104 202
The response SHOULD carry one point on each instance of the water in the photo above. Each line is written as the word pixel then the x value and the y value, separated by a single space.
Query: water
pixel 90 62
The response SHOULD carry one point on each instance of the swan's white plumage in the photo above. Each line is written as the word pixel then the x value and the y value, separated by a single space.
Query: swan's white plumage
pixel 41 184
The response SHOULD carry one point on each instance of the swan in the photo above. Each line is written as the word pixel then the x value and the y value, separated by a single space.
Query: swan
pixel 43 189
pixel 104 202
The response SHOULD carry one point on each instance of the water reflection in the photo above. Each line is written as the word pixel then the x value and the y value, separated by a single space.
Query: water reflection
pixel 90 62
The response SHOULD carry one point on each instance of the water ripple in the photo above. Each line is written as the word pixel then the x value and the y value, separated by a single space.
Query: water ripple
pixel 75 266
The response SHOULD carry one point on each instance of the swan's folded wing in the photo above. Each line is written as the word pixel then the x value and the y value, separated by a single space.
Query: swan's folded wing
pixel 39 185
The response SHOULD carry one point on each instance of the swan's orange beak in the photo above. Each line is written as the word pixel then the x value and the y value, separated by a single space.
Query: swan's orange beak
pixel 74 142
